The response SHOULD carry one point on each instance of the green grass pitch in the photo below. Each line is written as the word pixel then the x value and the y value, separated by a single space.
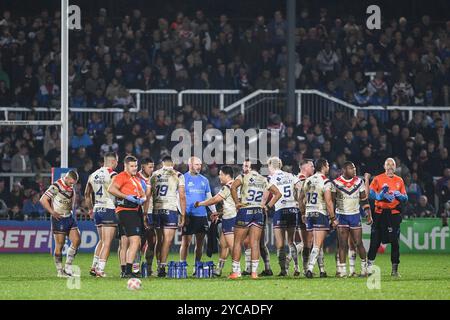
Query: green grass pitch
pixel 33 276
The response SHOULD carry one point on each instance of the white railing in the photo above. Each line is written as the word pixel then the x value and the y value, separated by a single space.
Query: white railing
pixel 51 116
pixel 318 105
pixel 256 106
pixel 151 100
pixel 203 100
pixel 154 100
pixel 208 98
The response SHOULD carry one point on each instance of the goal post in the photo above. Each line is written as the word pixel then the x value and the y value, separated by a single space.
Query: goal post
pixel 64 84
pixel 64 122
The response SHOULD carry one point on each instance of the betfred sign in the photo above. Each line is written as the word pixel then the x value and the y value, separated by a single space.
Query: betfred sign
pixel 24 240
pixel 36 237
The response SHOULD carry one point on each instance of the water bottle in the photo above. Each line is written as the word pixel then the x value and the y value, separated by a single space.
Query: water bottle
pixel 198 266
pixel 211 268
pixel 177 270
pixel 170 271
pixel 184 270
pixel 199 272
pixel 144 270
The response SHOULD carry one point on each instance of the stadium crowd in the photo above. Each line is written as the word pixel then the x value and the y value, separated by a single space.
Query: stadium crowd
pixel 407 63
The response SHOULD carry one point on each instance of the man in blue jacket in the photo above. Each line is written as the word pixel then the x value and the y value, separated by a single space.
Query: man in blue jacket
pixel 197 189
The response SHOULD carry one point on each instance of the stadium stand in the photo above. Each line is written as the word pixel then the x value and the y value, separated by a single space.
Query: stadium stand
pixel 408 64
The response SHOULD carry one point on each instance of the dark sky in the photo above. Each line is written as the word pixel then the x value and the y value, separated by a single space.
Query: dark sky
pixel 244 9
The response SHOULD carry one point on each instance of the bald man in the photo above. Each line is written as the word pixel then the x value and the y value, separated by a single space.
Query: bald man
pixel 388 191
pixel 197 190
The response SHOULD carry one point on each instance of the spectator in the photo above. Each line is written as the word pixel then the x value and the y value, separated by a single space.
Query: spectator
pixel 51 139
pixel 99 100
pixel 81 139
pixel 109 145
pixel 94 83
pixel 413 189
pixel 40 165
pixel 79 99
pixel 221 78
pixel 21 161
pixel 423 209
pixel 288 155
pixel 277 29
pixel 213 178
pixel 224 122
pixel 248 48
pixel 53 156
pixel 84 172
pixel 96 125
pixel 4 192
pixel 48 95
pixel 281 81
pixel 113 89
pixel 4 77
pixel 32 208
pixel 344 83
pixel 377 84
pixel 265 82
pixel 444 199
pixel 368 162
pixel 123 99
pixel 328 59
pixel 5 95
pixel 124 125
pixel 16 196
pixel 16 213
pixel 202 83
pixel 242 80
pixel 4 210
pixel 402 92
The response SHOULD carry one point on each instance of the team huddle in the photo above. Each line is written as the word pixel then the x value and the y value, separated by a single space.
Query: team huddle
pixel 146 207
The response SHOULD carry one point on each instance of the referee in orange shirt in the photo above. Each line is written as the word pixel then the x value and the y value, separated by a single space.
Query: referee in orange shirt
pixel 129 193
pixel 388 191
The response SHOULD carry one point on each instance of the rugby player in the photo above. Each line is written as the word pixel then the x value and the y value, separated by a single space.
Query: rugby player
pixel 317 211
pixel 228 217
pixel 148 246
pixel 250 216
pixel 130 194
pixel 58 200
pixel 349 194
pixel 167 188
pixel 388 191
pixel 351 242
pixel 286 214
pixel 303 238
pixel 104 211
pixel 264 250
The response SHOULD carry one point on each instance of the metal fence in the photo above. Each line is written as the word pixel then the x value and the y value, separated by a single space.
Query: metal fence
pixel 205 100
pixel 151 100
pixel 170 100
pixel 259 105
pixel 154 100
